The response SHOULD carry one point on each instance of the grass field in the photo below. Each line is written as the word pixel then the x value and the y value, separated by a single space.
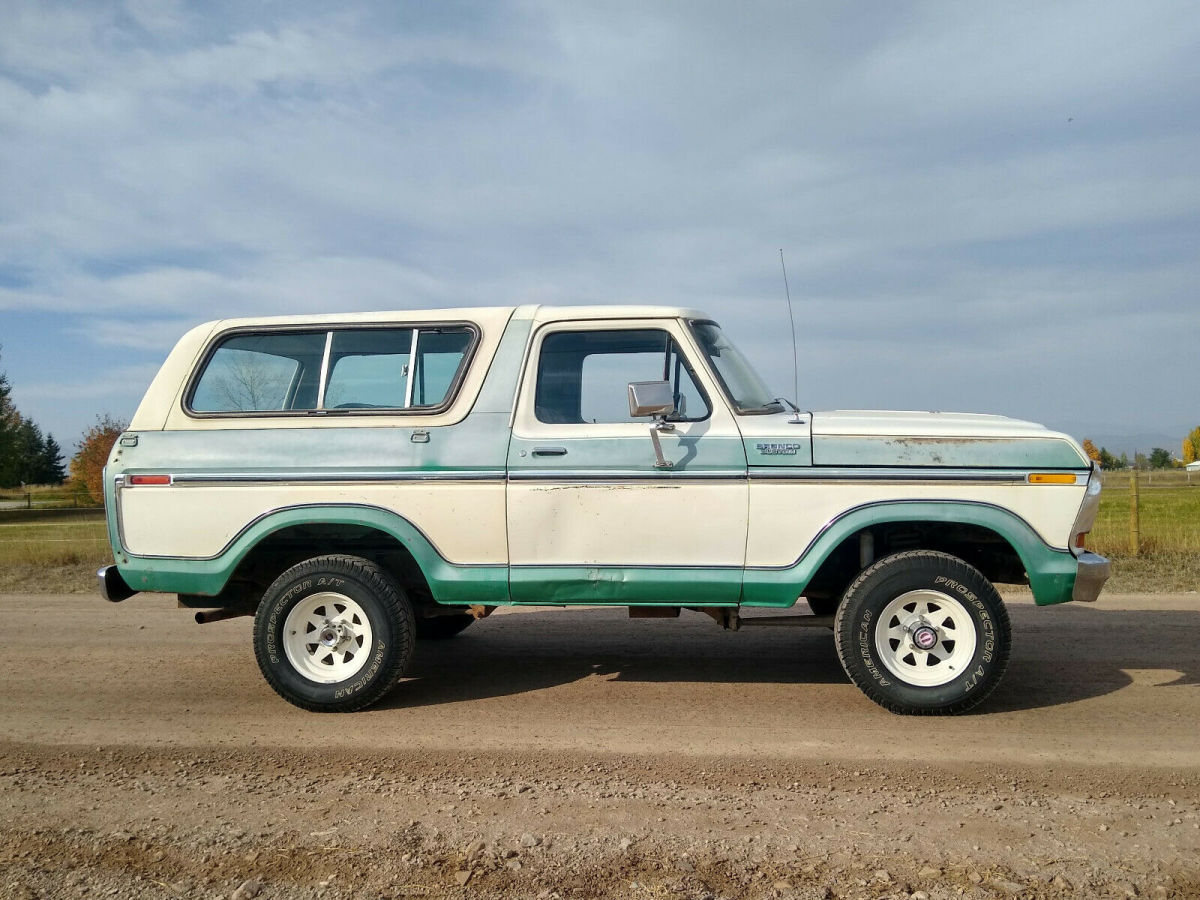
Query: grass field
pixel 52 555
pixel 42 497
pixel 1169 514
pixel 40 554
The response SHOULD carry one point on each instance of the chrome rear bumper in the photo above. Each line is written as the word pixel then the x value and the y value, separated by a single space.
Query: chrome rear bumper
pixel 1093 572
pixel 112 586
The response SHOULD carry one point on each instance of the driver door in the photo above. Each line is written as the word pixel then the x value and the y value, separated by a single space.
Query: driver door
pixel 591 517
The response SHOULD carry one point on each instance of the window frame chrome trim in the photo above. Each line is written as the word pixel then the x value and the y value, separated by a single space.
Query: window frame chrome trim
pixel 324 376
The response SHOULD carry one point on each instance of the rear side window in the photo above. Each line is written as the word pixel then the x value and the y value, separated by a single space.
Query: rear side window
pixel 392 369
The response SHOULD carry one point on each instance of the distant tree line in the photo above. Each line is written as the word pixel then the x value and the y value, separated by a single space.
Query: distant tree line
pixel 26 455
pixel 1158 458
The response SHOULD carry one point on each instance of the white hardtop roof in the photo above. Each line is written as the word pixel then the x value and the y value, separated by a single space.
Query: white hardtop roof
pixel 484 315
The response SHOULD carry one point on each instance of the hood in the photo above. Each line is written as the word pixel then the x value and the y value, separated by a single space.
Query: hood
pixel 914 424
pixel 958 440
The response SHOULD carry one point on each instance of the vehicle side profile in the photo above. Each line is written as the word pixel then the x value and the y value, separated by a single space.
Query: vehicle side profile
pixel 360 481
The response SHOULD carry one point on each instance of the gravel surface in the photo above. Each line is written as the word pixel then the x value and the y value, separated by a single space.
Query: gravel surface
pixel 578 754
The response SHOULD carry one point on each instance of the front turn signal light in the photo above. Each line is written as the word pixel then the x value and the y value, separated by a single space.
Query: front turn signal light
pixel 1052 478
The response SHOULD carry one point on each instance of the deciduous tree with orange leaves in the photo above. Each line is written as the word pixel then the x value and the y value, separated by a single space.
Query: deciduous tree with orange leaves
pixel 1191 446
pixel 1090 449
pixel 87 466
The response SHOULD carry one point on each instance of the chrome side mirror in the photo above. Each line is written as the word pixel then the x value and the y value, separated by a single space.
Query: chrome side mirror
pixel 653 398
pixel 650 398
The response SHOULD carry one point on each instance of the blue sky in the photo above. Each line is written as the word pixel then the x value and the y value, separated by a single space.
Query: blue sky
pixel 990 207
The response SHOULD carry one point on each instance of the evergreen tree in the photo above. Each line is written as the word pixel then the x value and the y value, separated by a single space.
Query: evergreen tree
pixel 10 423
pixel 26 456
pixel 30 446
pixel 52 465
pixel 1160 458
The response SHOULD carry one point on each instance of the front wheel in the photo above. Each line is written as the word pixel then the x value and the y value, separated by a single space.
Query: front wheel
pixel 923 633
pixel 334 634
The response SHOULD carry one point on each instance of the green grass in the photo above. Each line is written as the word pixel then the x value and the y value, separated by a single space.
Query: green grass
pixel 1169 518
pixel 44 497
pixel 1169 513
pixel 39 554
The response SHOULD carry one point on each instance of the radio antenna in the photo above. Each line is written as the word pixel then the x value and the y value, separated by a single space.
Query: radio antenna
pixel 795 356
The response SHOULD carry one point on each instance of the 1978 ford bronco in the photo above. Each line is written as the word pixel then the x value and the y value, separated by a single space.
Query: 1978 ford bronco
pixel 358 482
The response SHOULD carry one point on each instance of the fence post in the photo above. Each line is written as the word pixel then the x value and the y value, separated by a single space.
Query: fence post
pixel 1135 525
pixel 29 499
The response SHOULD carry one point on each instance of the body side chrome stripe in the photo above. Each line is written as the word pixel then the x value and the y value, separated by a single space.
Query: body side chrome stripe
pixel 816 475
pixel 906 475
pixel 241 478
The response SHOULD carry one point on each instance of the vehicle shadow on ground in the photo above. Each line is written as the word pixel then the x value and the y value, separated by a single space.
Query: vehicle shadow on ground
pixel 1061 655
pixel 513 654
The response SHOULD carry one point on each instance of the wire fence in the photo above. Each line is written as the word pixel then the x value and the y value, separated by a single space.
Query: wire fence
pixel 1148 512
pixel 46 498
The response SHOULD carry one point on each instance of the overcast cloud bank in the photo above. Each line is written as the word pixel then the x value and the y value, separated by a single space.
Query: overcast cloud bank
pixel 989 207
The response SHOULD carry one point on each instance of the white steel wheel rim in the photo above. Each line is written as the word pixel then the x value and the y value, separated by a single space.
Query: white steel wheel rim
pixel 925 638
pixel 327 637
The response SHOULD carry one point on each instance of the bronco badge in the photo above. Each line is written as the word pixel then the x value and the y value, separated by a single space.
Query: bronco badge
pixel 777 449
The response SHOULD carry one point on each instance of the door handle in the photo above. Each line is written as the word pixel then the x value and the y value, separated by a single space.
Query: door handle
pixel 549 451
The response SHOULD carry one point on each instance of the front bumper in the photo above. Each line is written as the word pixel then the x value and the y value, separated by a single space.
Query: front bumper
pixel 113 587
pixel 1093 572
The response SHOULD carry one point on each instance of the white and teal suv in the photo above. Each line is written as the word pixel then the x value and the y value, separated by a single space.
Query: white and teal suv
pixel 358 482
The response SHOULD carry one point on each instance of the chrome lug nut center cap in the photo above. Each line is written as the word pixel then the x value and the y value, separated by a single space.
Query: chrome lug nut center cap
pixel 332 635
pixel 924 637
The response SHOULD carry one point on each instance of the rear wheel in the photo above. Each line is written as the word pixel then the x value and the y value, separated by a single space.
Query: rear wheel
pixel 923 633
pixel 440 628
pixel 334 634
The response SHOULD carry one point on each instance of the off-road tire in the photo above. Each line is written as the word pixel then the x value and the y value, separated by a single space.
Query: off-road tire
pixel 441 628
pixel 971 600
pixel 368 589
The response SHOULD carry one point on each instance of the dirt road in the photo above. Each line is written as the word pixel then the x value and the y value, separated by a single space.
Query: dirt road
pixel 583 754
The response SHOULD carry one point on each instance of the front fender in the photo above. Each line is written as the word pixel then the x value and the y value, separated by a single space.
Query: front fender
pixel 1051 571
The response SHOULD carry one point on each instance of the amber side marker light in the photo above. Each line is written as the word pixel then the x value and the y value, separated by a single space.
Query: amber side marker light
pixel 149 479
pixel 1052 478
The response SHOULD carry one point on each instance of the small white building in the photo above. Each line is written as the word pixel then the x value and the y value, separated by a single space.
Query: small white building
pixel 1193 466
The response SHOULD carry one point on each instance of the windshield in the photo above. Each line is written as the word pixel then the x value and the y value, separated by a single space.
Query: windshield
pixel 742 384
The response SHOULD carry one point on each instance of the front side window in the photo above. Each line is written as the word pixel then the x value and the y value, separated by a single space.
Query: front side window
pixel 746 390
pixel 341 370
pixel 583 376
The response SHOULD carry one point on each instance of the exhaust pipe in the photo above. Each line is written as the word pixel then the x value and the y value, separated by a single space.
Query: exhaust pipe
pixel 205 616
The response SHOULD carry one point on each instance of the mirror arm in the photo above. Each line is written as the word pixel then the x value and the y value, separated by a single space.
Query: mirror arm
pixel 660 461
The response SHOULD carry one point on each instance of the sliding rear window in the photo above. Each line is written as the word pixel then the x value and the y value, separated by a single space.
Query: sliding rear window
pixel 347 370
